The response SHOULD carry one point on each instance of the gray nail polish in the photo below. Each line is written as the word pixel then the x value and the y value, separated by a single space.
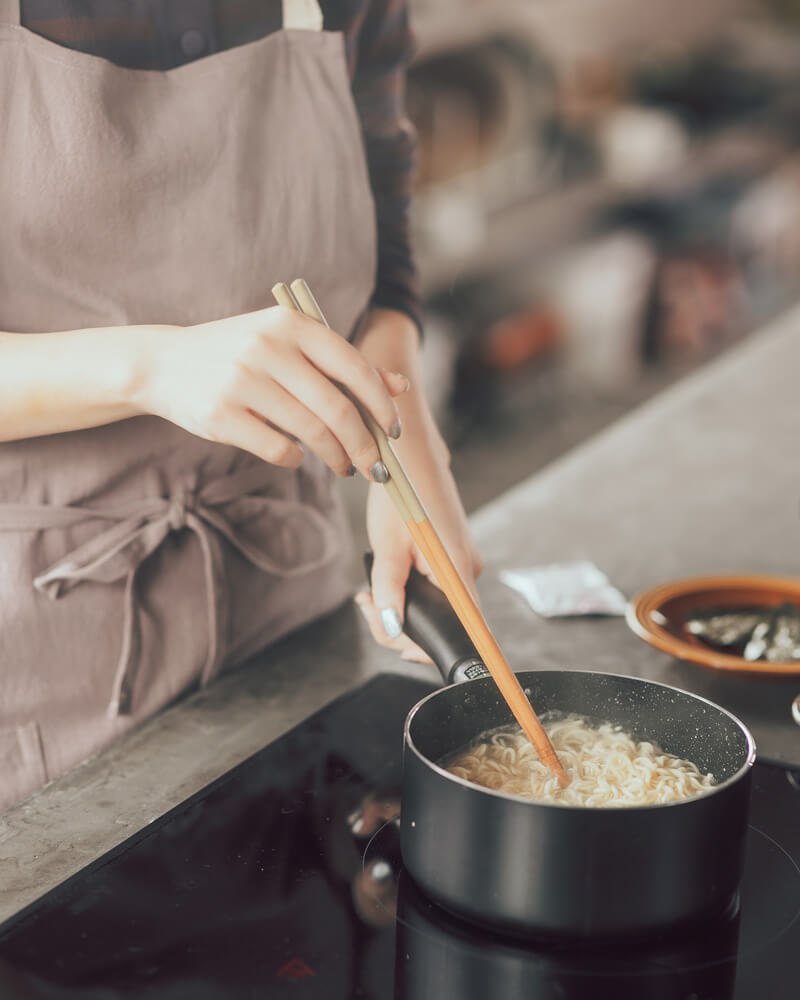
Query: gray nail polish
pixel 379 473
pixel 352 470
pixel 380 871
pixel 396 429
pixel 392 625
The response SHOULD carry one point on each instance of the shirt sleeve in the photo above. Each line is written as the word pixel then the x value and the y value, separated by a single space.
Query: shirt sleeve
pixel 383 49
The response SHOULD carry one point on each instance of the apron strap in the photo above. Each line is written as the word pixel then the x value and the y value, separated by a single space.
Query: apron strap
pixel 10 12
pixel 303 14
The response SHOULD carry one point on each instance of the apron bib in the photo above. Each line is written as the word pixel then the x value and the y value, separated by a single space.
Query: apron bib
pixel 136 560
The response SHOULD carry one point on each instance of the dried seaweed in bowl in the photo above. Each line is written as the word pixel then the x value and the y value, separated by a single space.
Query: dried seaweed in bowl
pixel 771 634
pixel 725 628
pixel 777 639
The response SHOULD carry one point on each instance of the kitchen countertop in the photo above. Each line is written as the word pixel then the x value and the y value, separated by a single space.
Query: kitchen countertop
pixel 704 478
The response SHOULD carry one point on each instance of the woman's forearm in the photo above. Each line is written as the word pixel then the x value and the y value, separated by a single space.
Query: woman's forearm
pixel 265 382
pixel 54 382
pixel 71 380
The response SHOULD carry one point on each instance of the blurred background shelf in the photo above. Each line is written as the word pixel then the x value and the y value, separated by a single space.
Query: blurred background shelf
pixel 546 221
pixel 608 196
pixel 568 27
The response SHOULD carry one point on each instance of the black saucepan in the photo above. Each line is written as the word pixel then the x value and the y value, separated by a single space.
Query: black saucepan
pixel 530 867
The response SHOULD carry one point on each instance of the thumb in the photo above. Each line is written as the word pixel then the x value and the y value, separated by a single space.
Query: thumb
pixel 389 576
pixel 395 382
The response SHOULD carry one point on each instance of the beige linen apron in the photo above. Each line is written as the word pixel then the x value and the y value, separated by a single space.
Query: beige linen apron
pixel 136 559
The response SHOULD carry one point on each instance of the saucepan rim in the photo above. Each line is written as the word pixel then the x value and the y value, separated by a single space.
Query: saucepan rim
pixel 583 810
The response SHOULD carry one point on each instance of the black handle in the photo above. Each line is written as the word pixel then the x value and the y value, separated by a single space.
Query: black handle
pixel 433 625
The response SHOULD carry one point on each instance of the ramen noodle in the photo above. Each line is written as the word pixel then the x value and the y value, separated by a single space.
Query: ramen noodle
pixel 606 766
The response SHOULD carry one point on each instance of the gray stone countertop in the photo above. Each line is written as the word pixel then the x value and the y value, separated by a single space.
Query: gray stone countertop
pixel 703 479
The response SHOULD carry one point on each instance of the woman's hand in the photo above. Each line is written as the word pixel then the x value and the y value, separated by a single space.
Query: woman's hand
pixel 266 382
pixel 391 340
pixel 395 554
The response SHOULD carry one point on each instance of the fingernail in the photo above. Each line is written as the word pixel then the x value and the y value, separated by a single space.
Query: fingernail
pixel 392 625
pixel 379 473
pixel 380 871
pixel 352 470
pixel 405 379
pixel 396 429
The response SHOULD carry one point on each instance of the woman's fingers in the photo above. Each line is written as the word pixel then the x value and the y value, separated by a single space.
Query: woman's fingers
pixel 385 610
pixel 476 558
pixel 395 382
pixel 415 655
pixel 245 430
pixel 340 361
pixel 329 404
pixel 270 401
pixel 407 649
pixel 290 371
pixel 388 581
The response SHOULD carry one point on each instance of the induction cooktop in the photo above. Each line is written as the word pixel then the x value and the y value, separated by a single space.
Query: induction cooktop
pixel 283 879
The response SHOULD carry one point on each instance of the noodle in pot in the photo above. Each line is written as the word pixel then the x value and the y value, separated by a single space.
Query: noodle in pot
pixel 606 766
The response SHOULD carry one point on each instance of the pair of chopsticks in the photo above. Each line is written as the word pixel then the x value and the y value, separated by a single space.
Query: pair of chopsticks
pixel 405 498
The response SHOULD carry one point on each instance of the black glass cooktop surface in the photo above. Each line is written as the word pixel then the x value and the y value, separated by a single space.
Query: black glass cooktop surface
pixel 283 879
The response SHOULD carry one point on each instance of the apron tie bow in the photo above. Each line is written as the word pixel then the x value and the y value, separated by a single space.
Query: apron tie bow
pixel 217 511
pixel 180 501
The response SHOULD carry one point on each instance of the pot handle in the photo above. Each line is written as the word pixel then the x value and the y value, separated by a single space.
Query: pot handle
pixel 431 622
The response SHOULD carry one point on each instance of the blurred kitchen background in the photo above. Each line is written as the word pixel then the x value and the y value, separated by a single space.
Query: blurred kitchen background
pixel 608 197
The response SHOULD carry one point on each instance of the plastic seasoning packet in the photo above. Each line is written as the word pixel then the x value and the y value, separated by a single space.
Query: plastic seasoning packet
pixel 563 589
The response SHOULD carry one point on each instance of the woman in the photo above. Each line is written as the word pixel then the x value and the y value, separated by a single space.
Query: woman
pixel 167 438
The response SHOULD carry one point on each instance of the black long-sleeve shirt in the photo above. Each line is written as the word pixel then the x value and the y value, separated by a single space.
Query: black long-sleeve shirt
pixel 162 34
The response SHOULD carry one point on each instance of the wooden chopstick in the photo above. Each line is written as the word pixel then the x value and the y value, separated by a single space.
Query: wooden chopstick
pixel 401 492
pixel 407 502
pixel 301 295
